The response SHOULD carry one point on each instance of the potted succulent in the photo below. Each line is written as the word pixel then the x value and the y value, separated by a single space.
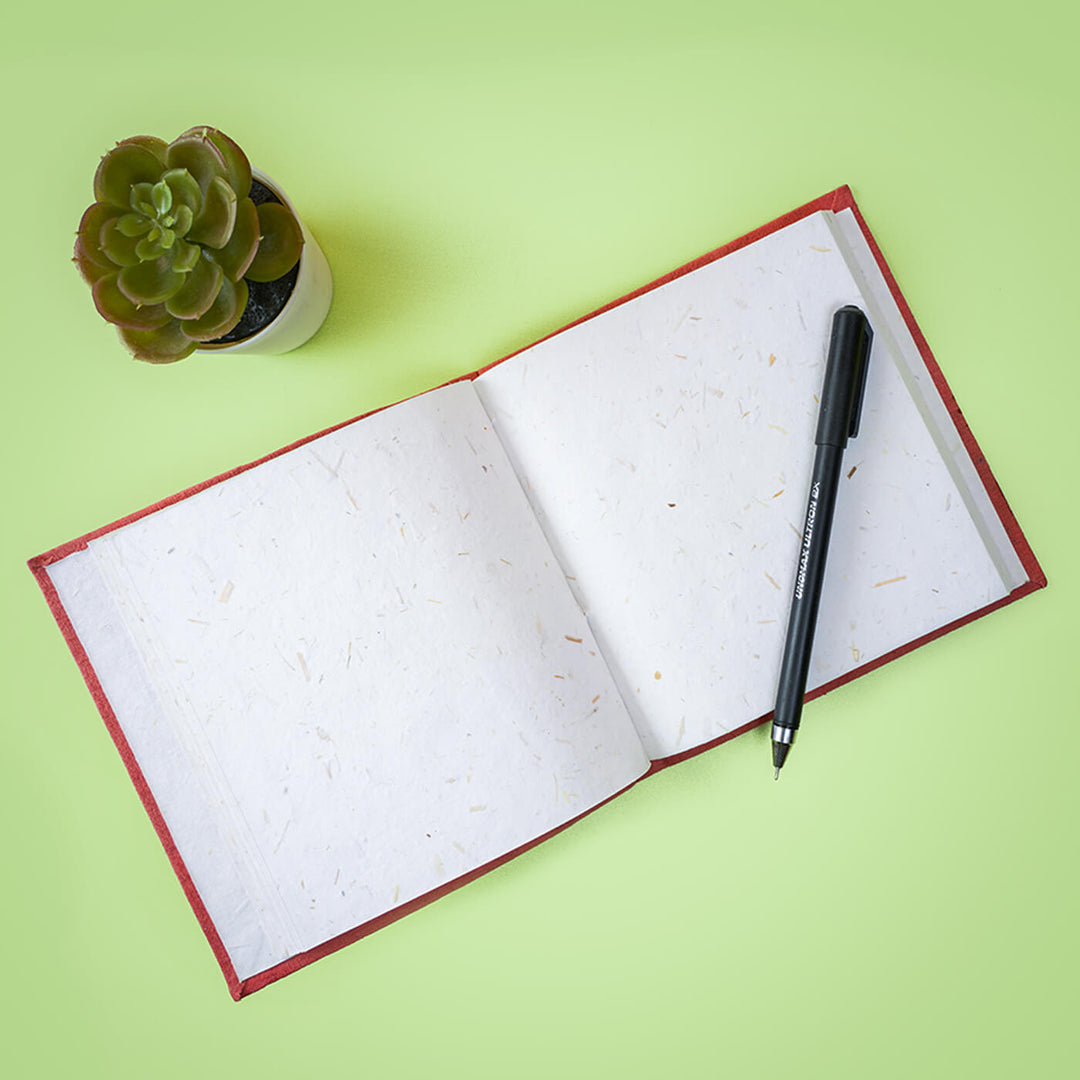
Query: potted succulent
pixel 186 247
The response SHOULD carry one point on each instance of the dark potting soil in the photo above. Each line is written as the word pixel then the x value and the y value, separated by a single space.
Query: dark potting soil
pixel 266 299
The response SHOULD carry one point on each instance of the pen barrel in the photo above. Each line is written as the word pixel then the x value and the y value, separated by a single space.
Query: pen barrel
pixel 806 596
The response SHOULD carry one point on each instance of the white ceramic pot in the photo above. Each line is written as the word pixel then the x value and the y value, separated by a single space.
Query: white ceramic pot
pixel 306 308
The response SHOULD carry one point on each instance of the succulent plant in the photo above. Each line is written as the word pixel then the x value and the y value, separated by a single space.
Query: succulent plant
pixel 173 238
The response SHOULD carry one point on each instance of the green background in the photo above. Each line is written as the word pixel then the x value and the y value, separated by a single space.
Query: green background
pixel 902 902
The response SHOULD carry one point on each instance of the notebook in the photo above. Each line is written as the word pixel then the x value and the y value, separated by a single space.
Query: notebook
pixel 371 666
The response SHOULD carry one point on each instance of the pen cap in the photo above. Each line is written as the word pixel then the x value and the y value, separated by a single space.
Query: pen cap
pixel 845 378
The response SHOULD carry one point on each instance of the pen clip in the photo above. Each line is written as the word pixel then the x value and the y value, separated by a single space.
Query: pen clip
pixel 865 340
pixel 845 378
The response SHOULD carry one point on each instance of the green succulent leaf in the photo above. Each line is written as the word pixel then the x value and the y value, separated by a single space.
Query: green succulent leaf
pixel 93 221
pixel 115 307
pixel 126 164
pixel 214 224
pixel 222 315
pixel 151 282
pixel 182 220
pixel 141 199
pixel 162 197
pixel 134 224
pixel 165 345
pixel 156 146
pixel 199 291
pixel 235 257
pixel 195 152
pixel 238 169
pixel 185 189
pixel 186 256
pixel 280 243
pixel 90 270
pixel 236 161
pixel 150 246
pixel 121 249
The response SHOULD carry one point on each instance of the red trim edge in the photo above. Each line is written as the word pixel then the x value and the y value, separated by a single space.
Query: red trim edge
pixel 301 960
pixel 52 598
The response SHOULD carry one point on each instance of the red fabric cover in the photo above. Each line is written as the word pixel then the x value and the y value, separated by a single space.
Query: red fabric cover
pixel 840 199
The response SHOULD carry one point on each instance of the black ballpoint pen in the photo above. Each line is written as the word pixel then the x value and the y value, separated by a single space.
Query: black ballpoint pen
pixel 838 421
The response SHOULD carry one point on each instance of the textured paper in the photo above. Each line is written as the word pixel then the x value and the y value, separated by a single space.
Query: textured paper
pixel 350 674
pixel 666 446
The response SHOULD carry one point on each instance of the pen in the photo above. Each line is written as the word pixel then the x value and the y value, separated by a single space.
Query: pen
pixel 838 421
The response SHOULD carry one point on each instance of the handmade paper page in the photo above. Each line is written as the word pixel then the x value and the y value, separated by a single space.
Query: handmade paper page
pixel 666 445
pixel 350 674
pixel 893 334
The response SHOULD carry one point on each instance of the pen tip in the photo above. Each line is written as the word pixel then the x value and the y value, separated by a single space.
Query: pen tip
pixel 777 775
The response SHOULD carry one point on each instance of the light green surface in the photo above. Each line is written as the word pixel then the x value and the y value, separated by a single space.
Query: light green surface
pixel 902 903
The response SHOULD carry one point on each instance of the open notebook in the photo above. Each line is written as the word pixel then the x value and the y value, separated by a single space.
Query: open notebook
pixel 373 665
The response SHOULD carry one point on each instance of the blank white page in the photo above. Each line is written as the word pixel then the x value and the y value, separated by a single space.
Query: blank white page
pixel 350 674
pixel 666 446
